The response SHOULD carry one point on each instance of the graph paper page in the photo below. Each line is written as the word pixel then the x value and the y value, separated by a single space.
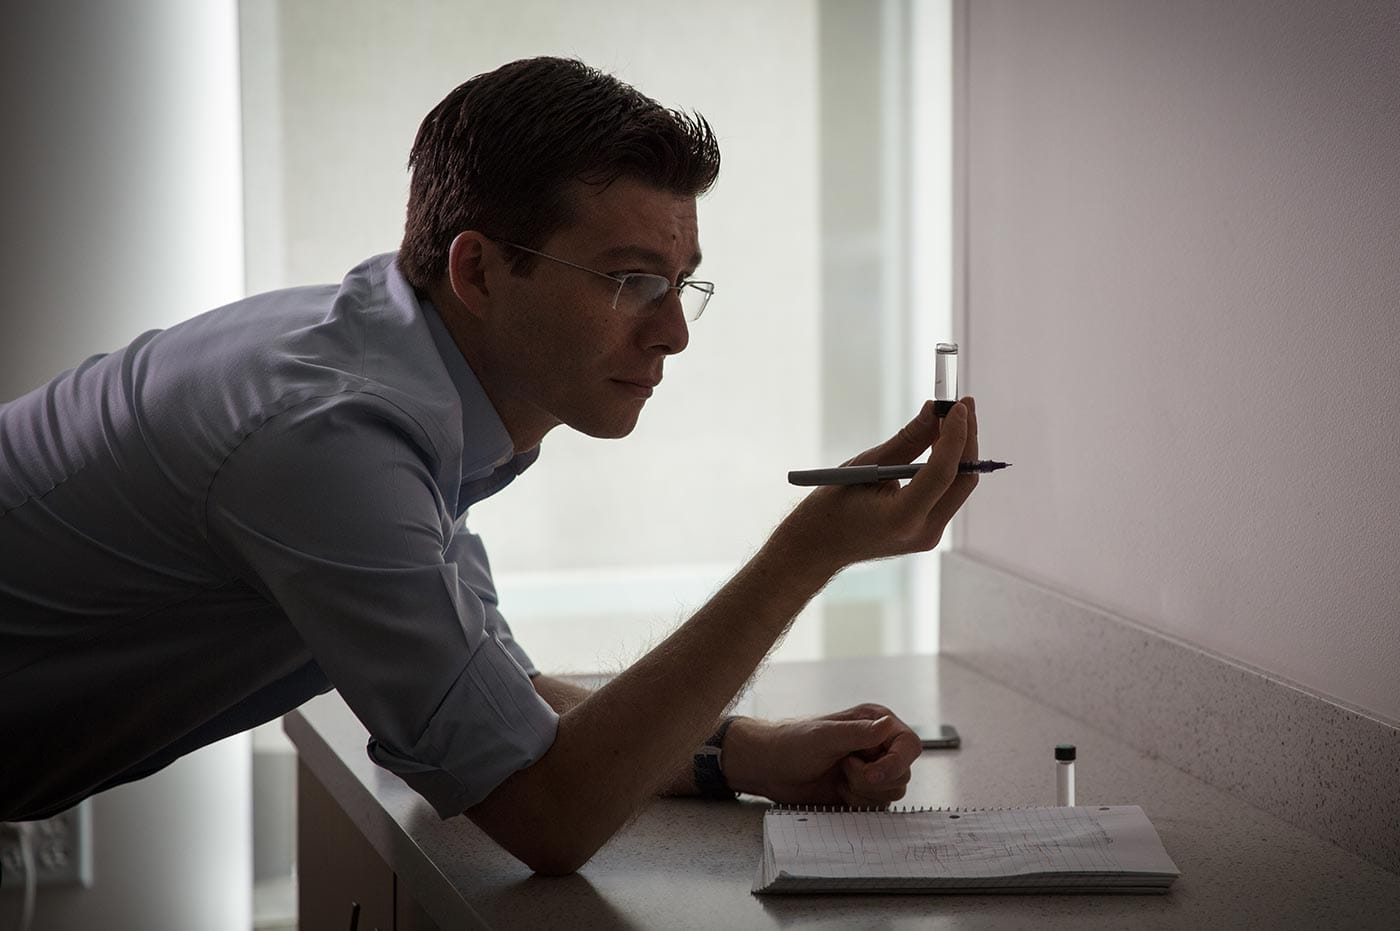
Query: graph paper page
pixel 965 845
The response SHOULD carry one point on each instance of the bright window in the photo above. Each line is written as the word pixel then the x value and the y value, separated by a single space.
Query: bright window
pixel 826 237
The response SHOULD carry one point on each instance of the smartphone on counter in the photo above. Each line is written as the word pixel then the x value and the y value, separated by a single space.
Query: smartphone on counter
pixel 946 739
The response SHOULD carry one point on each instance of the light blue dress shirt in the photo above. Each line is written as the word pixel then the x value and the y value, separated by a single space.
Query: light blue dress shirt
pixel 202 530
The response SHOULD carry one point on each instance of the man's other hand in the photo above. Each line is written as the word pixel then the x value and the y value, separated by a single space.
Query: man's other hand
pixel 857 757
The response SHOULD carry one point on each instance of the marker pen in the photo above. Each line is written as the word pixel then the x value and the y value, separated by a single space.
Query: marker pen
pixel 870 474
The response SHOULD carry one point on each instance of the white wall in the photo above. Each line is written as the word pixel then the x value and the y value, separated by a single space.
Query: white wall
pixel 121 193
pixel 1182 319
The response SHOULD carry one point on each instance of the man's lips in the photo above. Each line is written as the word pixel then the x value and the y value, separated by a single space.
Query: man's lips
pixel 642 387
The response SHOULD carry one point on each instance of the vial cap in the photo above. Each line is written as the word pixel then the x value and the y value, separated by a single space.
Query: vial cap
pixel 1064 752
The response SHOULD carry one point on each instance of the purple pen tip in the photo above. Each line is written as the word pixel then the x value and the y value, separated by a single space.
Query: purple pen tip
pixel 982 466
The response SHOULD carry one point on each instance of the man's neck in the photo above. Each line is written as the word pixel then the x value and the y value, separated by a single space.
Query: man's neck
pixel 526 431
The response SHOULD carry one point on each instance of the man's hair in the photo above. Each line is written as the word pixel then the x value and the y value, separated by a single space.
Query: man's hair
pixel 501 153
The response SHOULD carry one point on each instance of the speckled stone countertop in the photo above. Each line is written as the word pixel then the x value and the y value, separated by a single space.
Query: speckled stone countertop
pixel 688 863
pixel 1208 715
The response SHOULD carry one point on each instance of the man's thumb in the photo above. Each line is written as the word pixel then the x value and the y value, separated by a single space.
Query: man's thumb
pixel 874 731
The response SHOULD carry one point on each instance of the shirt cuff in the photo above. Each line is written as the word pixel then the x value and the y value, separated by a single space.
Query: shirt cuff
pixel 522 659
pixel 490 724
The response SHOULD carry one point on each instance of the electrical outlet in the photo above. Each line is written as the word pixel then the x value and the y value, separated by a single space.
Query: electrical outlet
pixel 62 848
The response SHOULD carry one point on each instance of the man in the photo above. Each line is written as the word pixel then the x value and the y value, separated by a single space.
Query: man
pixel 269 500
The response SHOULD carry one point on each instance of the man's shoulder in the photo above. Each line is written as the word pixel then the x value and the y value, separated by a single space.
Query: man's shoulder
pixel 364 289
pixel 360 328
pixel 358 347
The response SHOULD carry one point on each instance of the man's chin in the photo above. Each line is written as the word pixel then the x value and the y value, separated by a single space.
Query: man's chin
pixel 608 428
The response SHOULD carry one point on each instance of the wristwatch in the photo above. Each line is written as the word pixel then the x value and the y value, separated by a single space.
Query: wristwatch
pixel 709 765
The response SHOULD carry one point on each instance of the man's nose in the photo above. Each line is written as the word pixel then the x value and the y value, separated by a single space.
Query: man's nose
pixel 668 330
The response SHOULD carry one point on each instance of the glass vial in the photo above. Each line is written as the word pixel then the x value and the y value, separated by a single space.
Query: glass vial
pixel 945 378
pixel 1064 775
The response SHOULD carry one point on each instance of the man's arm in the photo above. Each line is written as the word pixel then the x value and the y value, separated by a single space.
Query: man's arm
pixel 563 696
pixel 621 744
pixel 560 695
pixel 795 762
pixel 616 749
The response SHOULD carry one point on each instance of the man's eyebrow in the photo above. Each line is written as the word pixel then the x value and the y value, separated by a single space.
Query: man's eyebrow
pixel 642 255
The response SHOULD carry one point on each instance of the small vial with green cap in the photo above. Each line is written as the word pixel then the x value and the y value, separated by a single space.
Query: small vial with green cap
pixel 1064 775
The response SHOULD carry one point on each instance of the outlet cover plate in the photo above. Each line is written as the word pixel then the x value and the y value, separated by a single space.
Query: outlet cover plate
pixel 62 847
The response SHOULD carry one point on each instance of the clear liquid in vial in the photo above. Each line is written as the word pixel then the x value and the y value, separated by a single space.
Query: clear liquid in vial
pixel 945 378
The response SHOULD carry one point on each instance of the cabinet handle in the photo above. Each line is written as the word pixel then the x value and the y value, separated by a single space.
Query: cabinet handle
pixel 354 916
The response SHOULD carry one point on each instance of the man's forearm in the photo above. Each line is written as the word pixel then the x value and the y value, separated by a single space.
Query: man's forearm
pixel 562 696
pixel 619 746
pixel 559 694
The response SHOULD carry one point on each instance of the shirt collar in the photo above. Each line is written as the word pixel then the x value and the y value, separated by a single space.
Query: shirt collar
pixel 486 444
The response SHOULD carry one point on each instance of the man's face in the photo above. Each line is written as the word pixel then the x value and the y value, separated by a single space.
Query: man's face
pixel 573 358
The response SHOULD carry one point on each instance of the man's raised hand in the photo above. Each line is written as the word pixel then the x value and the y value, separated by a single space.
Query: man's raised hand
pixel 837 526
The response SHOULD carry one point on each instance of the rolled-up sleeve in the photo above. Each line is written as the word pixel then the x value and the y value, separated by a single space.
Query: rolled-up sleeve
pixel 330 510
pixel 474 568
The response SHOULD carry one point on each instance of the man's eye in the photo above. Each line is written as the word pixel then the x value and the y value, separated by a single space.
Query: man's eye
pixel 647 287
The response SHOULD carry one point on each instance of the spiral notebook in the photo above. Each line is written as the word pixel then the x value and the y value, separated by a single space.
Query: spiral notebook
pixel 1089 849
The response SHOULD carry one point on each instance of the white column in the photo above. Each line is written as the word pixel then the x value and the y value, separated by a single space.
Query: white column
pixel 121 180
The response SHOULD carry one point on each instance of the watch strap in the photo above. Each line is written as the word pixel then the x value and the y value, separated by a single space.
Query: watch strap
pixel 708 765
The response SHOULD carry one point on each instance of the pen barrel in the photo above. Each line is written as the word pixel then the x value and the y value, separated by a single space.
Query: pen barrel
pixel 869 474
pixel 841 475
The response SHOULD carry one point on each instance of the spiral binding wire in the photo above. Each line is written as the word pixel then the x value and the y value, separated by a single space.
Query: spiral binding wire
pixel 894 809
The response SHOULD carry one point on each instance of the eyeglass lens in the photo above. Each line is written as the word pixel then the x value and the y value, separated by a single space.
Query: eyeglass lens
pixel 642 294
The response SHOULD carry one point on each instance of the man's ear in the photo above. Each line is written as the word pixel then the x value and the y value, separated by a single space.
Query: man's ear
pixel 469 259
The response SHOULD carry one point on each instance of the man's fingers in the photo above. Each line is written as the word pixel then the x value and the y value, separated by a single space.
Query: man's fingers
pixel 851 799
pixel 866 711
pixel 869 727
pixel 952 496
pixel 942 469
pixel 883 775
pixel 911 440
pixel 970 444
pixel 872 784
pixel 878 756
pixel 859 735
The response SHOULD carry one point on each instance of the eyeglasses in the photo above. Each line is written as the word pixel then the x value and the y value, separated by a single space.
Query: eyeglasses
pixel 641 294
